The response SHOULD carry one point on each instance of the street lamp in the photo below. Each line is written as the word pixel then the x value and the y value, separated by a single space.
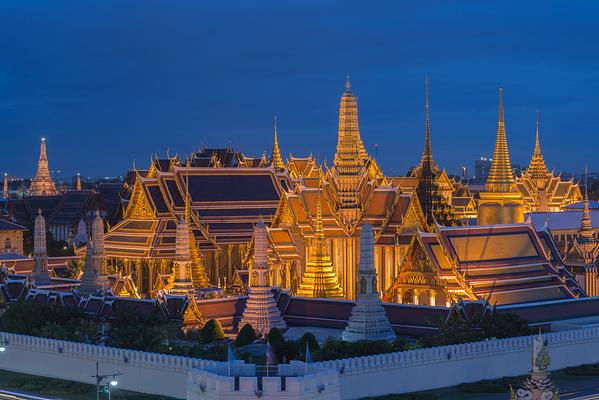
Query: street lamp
pixel 100 386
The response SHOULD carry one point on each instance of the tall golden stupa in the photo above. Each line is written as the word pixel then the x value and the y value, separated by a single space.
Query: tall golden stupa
pixel 501 203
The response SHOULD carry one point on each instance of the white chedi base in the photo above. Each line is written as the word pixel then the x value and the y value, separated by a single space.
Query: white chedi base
pixel 261 311
pixel 368 321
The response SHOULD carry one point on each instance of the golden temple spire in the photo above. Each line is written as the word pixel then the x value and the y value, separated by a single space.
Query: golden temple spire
pixel 501 176
pixel 187 215
pixel 427 153
pixel 275 156
pixel 350 154
pixel 537 169
pixel 586 232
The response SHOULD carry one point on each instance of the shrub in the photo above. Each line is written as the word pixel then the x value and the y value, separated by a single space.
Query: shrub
pixel 246 336
pixel 334 348
pixel 309 338
pixel 212 331
pixel 275 337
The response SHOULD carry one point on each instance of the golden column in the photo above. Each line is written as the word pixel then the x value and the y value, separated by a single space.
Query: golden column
pixel 501 203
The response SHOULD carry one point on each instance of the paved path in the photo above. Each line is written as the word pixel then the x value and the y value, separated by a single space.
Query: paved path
pixel 8 395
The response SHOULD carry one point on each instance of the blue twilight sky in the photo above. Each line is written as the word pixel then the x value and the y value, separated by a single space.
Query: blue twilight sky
pixel 112 81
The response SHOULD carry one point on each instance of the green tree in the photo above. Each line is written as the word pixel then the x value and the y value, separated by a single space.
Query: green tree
pixel 480 326
pixel 132 330
pixel 246 336
pixel 212 331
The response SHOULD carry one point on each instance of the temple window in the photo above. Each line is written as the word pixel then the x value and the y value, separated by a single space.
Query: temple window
pixel 7 244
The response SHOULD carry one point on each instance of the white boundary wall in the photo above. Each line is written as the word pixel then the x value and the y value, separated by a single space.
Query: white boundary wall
pixel 142 372
pixel 401 372
pixel 445 366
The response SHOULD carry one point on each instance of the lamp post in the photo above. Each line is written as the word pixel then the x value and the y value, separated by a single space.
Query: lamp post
pixel 100 379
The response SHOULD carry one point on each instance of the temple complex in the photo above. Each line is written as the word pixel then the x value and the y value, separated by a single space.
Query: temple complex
pixel 42 184
pixel 188 227
pixel 261 311
pixel 368 320
pixel 542 190
pixel 352 192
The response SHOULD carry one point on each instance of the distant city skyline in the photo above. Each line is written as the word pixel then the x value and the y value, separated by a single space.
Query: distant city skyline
pixel 151 78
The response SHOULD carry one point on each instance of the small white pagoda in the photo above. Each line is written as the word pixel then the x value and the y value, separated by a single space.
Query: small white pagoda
pixel 261 310
pixel 368 320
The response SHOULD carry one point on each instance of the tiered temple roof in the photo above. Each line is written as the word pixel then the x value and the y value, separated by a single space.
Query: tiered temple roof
pixel 541 189
pixel 504 263
pixel 226 200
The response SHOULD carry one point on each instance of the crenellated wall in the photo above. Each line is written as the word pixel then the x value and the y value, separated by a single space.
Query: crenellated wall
pixel 400 372
pixel 444 366
pixel 290 383
pixel 142 372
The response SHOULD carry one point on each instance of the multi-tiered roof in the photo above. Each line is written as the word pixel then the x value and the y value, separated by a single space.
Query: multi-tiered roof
pixel 541 189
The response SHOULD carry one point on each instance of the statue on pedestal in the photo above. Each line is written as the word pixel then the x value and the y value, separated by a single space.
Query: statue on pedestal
pixel 538 385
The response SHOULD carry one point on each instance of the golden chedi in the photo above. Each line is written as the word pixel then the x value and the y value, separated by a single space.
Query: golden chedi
pixel 501 203
pixel 319 279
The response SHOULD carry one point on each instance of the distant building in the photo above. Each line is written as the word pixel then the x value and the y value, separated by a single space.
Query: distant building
pixel 482 168
pixel 11 237
pixel 42 184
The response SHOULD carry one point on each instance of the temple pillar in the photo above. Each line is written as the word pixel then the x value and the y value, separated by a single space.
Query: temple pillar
pixel 398 296
pixel 432 297
pixel 387 279
pixel 217 271
pixel 416 295
pixel 229 263
pixel 378 266
pixel 138 274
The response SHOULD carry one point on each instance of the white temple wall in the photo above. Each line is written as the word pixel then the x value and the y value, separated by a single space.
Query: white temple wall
pixel 142 372
pixel 400 372
pixel 438 367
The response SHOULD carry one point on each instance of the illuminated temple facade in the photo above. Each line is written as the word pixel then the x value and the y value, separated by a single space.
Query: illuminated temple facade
pixel 423 252
pixel 541 189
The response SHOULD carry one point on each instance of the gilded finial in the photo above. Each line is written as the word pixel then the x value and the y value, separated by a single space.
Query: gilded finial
pixel 275 156
pixel 500 118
